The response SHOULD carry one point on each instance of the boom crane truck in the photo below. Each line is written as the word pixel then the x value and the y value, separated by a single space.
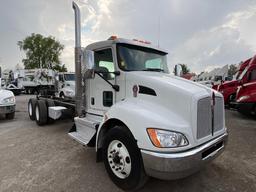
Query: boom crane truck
pixel 141 120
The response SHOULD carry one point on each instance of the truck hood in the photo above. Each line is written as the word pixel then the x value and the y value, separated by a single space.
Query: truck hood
pixel 71 83
pixel 174 105
pixel 163 82
pixel 229 84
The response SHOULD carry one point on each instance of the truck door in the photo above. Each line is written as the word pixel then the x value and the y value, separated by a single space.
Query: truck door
pixel 101 95
pixel 252 75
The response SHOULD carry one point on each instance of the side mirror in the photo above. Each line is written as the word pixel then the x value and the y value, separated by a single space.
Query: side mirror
pixel 88 64
pixel 178 70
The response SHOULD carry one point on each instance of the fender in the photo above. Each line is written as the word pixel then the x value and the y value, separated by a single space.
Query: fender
pixel 138 115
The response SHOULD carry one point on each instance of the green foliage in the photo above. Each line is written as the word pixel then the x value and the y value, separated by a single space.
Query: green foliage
pixel 232 70
pixel 41 51
pixel 60 68
pixel 185 68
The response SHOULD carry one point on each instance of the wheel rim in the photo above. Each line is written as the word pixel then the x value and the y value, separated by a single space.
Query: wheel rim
pixel 119 159
pixel 30 109
pixel 37 113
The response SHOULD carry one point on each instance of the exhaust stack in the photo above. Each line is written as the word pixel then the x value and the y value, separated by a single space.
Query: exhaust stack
pixel 78 62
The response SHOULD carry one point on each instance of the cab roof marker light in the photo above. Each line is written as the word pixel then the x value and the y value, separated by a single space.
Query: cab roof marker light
pixel 142 41
pixel 113 37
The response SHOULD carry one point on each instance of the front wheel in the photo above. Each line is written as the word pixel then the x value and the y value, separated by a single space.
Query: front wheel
pixel 122 159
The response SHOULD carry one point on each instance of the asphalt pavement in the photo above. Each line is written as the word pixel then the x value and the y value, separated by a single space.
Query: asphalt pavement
pixel 37 159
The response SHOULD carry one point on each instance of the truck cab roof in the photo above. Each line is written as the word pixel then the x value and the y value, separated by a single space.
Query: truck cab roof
pixel 113 40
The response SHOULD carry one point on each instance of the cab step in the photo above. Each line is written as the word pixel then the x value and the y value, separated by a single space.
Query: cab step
pixel 85 130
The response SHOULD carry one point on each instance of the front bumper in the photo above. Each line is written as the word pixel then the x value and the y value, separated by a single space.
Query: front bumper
pixel 7 109
pixel 179 165
pixel 245 108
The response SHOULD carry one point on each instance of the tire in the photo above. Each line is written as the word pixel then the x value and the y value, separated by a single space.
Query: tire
pixel 31 109
pixel 10 115
pixel 122 159
pixel 41 112
pixel 50 103
pixel 231 98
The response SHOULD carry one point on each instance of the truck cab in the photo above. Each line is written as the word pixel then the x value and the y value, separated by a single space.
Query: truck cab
pixel 136 109
pixel 246 94
pixel 229 88
pixel 66 85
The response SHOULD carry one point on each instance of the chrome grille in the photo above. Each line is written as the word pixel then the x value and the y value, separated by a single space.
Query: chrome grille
pixel 218 114
pixel 206 125
pixel 204 117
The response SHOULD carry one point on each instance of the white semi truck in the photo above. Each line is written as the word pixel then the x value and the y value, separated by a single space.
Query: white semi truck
pixel 7 101
pixel 141 120
pixel 66 85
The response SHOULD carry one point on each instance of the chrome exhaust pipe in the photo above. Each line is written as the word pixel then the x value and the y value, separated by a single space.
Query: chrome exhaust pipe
pixel 78 62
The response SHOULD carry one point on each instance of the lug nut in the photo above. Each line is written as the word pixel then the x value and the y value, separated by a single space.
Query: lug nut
pixel 119 145
pixel 127 159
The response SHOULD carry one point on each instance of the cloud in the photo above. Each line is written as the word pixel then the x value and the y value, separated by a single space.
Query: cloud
pixel 200 33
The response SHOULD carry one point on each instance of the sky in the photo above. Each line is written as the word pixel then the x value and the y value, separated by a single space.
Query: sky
pixel 203 34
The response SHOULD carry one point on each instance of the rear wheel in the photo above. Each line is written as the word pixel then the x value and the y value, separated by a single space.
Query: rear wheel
pixel 10 115
pixel 122 159
pixel 31 108
pixel 41 112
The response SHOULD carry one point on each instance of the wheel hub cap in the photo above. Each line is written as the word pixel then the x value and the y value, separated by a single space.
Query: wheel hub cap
pixel 119 159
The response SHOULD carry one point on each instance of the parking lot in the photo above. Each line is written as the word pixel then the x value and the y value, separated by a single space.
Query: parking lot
pixel 44 158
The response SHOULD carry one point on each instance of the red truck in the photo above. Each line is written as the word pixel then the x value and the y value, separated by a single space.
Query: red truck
pixel 246 96
pixel 229 88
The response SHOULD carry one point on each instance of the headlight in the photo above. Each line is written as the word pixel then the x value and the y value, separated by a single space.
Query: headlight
pixel 9 100
pixel 166 139
pixel 243 98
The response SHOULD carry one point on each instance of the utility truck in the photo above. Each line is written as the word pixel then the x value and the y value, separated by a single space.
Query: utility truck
pixel 7 101
pixel 141 120
pixel 39 80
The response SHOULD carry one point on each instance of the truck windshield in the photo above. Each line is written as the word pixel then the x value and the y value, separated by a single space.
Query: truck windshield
pixel 136 58
pixel 69 77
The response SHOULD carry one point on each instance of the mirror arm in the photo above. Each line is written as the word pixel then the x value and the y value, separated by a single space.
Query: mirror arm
pixel 115 87
pixel 116 73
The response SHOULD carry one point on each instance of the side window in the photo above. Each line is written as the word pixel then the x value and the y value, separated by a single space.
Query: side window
pixel 107 98
pixel 104 63
pixel 253 75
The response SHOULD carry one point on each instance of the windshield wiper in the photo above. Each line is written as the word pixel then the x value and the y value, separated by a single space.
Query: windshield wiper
pixel 153 69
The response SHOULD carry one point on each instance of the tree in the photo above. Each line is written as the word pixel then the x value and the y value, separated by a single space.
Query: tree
pixel 232 70
pixel 41 51
pixel 60 68
pixel 185 68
